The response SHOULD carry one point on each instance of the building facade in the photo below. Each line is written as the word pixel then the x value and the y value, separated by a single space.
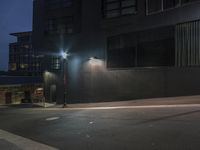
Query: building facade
pixel 23 61
pixel 17 90
pixel 119 49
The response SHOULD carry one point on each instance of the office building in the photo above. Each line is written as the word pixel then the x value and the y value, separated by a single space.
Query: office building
pixel 23 61
pixel 119 49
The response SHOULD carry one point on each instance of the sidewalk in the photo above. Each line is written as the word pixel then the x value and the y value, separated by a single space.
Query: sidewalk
pixel 182 100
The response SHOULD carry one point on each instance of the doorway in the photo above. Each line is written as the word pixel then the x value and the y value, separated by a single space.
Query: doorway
pixel 8 97
pixel 53 93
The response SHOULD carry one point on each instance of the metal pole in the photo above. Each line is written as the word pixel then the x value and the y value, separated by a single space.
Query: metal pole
pixel 44 89
pixel 64 82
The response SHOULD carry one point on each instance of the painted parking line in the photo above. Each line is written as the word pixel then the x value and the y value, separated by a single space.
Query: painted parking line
pixel 22 143
pixel 52 118
pixel 126 107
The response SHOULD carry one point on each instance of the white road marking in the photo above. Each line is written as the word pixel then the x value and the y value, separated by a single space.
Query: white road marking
pixel 91 122
pixel 126 107
pixel 23 143
pixel 52 118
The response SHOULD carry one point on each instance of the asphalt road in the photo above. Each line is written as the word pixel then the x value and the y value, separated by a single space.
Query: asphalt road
pixel 159 128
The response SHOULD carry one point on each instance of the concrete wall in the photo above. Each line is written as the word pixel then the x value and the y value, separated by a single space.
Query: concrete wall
pixel 94 82
pixel 134 84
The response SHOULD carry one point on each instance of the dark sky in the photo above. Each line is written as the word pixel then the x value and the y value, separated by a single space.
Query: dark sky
pixel 15 16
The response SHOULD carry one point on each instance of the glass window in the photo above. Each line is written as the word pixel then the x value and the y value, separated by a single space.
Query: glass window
pixel 188 1
pixel 56 4
pixel 154 6
pixel 67 24
pixel 56 63
pixel 13 67
pixel 170 3
pixel 51 25
pixel 131 50
pixel 112 14
pixel 116 8
pixel 156 53
pixel 121 58
pixel 111 6
pixel 66 3
pixel 59 25
pixel 118 55
pixel 126 11
pixel 52 4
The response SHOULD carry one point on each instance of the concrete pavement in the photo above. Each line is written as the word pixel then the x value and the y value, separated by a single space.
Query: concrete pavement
pixel 14 142
pixel 167 125
pixel 164 101
pixel 181 100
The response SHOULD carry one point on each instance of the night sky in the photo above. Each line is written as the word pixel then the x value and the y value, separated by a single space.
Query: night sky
pixel 15 16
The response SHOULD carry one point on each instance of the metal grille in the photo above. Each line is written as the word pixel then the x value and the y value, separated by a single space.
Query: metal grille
pixel 187 37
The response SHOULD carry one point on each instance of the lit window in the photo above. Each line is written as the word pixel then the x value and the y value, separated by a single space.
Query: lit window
pixel 23 66
pixel 56 63
pixel 13 66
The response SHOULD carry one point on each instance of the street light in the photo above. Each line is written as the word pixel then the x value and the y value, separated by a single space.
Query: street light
pixel 64 55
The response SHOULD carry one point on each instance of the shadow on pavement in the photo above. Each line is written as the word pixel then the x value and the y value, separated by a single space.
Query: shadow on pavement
pixel 168 117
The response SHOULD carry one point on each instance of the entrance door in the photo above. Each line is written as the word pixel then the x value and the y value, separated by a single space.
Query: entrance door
pixel 53 93
pixel 8 97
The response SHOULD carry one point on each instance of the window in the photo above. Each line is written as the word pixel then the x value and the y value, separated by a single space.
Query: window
pixel 116 8
pixel 170 3
pixel 24 39
pixel 13 67
pixel 119 55
pixel 56 63
pixel 51 25
pixel 154 6
pixel 66 3
pixel 52 4
pixel 57 4
pixel 188 1
pixel 59 25
pixel 156 53
pixel 121 58
pixel 24 66
pixel 67 24
pixel 151 48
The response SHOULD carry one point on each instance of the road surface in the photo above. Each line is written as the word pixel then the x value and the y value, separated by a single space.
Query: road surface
pixel 131 128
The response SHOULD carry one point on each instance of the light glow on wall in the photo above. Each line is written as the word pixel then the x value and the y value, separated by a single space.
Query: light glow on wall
pixel 94 61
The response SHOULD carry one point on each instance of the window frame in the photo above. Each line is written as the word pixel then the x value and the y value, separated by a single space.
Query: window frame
pixel 180 4
pixel 117 42
pixel 120 9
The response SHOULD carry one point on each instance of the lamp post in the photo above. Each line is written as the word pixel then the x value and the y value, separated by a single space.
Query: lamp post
pixel 64 56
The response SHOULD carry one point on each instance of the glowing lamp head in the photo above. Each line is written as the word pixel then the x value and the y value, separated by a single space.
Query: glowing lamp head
pixel 64 55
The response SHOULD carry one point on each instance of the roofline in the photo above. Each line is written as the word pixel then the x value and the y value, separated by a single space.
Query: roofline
pixel 21 33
